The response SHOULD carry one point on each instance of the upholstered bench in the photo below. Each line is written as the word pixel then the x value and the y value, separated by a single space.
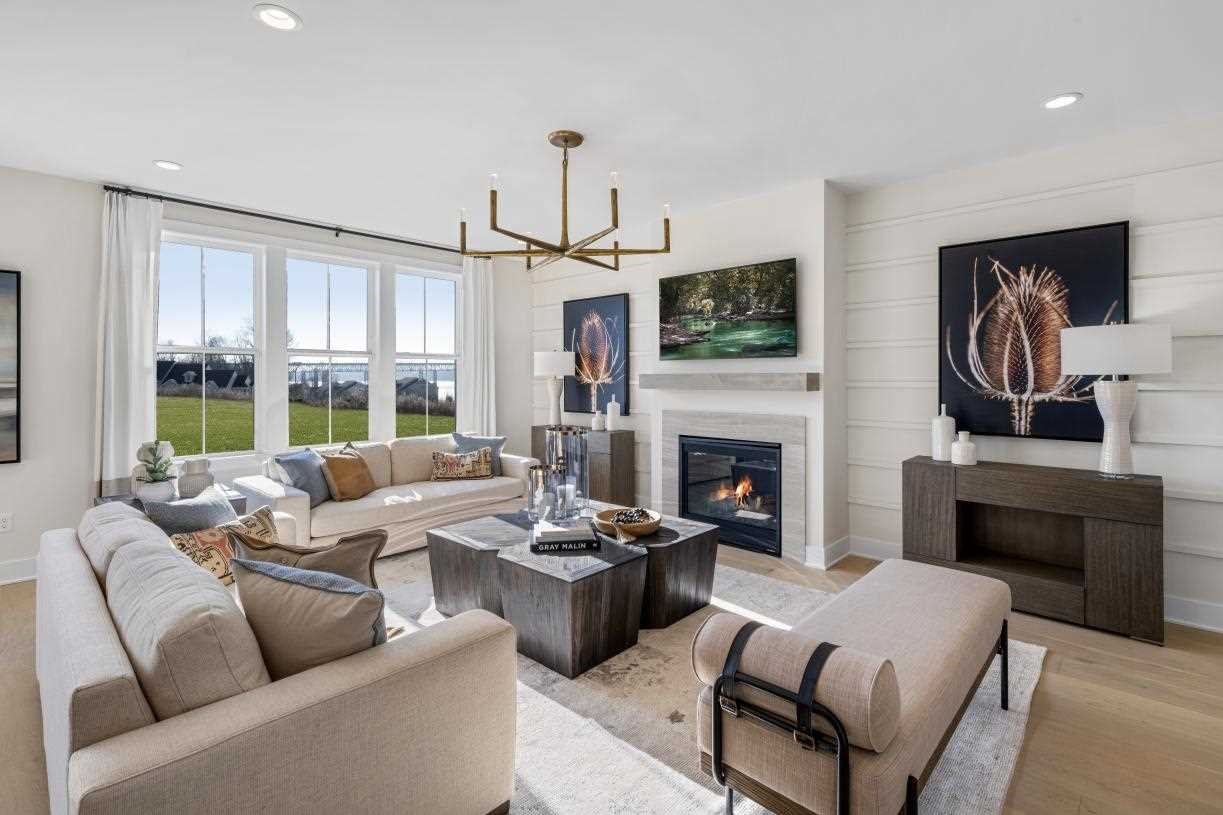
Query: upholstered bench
pixel 805 728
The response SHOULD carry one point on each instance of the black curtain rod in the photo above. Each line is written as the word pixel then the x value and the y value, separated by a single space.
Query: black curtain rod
pixel 336 230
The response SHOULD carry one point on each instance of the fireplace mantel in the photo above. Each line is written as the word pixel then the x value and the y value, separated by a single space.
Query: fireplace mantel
pixel 732 381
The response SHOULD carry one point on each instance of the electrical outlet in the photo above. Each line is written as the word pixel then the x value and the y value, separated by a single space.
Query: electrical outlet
pixel 6 522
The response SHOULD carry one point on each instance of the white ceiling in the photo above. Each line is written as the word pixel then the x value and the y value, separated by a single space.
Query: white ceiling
pixel 388 115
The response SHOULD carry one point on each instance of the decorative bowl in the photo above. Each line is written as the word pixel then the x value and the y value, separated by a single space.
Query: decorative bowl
pixel 603 520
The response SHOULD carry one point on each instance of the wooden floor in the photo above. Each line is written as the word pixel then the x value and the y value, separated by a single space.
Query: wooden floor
pixel 1116 726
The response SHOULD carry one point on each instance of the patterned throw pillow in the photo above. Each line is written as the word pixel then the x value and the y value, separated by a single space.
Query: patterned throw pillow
pixel 455 466
pixel 214 548
pixel 348 476
pixel 466 443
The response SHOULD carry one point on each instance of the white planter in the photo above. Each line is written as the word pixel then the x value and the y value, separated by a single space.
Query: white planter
pixel 157 490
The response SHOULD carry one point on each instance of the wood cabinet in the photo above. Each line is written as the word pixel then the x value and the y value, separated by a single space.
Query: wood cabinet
pixel 613 468
pixel 1072 545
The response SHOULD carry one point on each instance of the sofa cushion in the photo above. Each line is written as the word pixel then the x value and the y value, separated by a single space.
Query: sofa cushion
pixel 188 641
pixel 860 688
pixel 106 528
pixel 212 549
pixel 208 509
pixel 405 502
pixel 412 458
pixel 348 476
pixel 352 557
pixel 304 618
pixel 304 469
pixel 466 443
pixel 377 456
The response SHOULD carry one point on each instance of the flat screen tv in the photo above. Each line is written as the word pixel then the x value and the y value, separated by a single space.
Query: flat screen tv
pixel 740 311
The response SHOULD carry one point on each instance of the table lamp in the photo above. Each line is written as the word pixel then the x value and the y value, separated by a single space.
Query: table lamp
pixel 555 365
pixel 1121 349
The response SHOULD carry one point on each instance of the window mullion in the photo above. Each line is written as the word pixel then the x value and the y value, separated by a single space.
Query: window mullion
pixel 203 355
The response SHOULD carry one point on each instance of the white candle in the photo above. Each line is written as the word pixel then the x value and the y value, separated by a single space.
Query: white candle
pixel 462 215
pixel 615 180
pixel 666 211
pixel 492 181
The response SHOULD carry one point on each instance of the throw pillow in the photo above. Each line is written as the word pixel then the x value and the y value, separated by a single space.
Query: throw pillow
pixel 467 443
pixel 214 548
pixel 209 508
pixel 352 557
pixel 348 476
pixel 304 618
pixel 456 466
pixel 305 471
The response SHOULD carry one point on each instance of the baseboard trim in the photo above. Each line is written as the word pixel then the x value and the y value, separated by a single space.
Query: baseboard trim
pixel 825 557
pixel 873 548
pixel 17 571
pixel 1194 613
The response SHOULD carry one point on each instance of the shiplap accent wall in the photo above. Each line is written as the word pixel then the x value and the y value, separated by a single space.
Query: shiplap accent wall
pixel 1168 183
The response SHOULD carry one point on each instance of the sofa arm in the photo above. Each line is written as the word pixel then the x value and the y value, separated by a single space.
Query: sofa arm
pixel 261 491
pixel 424 723
pixel 517 466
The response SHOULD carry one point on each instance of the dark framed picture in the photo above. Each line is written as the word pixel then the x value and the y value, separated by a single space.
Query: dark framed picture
pixel 10 367
pixel 1002 306
pixel 741 311
pixel 596 331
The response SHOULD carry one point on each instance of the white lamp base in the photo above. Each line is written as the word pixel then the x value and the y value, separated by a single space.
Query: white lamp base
pixel 1116 402
pixel 555 390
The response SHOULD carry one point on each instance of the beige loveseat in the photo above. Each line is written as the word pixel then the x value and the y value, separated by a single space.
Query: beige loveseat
pixel 405 503
pixel 422 723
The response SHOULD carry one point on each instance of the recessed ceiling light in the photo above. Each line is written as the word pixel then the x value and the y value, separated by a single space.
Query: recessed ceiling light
pixel 277 17
pixel 1062 100
pixel 167 165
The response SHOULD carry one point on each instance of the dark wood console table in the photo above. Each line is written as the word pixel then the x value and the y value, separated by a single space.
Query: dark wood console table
pixel 1072 545
pixel 613 475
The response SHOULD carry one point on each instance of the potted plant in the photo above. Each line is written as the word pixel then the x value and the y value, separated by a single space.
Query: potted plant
pixel 155 475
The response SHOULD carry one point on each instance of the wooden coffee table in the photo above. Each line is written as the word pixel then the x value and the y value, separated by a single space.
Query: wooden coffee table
pixel 571 611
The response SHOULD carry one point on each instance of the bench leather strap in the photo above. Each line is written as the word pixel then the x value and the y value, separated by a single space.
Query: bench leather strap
pixel 731 666
pixel 806 690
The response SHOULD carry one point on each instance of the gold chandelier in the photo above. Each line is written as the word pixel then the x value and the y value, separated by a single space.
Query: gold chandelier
pixel 540 253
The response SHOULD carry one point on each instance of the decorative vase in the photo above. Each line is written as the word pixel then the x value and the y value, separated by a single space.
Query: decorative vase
pixel 613 414
pixel 544 483
pixel 598 421
pixel 156 490
pixel 942 434
pixel 963 451
pixel 195 478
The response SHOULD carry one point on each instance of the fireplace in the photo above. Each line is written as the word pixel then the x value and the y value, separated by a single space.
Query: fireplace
pixel 736 485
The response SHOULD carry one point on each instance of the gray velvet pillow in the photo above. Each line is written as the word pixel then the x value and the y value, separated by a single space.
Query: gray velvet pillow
pixel 470 444
pixel 305 470
pixel 303 618
pixel 208 509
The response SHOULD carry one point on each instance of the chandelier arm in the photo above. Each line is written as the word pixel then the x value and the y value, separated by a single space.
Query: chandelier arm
pixel 495 227
pixel 565 198
pixel 511 253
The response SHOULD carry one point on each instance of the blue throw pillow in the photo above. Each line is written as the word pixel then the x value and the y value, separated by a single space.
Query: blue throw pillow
pixel 305 471
pixel 208 509
pixel 470 444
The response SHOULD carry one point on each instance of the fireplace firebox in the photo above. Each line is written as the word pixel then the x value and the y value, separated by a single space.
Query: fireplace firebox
pixel 735 485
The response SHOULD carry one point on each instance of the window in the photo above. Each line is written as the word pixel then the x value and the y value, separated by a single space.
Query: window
pixel 427 365
pixel 206 348
pixel 328 352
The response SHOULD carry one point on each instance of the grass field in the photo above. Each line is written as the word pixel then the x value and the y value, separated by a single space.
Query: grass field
pixel 231 424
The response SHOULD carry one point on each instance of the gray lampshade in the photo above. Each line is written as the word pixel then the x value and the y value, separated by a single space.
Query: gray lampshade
pixel 1117 349
pixel 554 363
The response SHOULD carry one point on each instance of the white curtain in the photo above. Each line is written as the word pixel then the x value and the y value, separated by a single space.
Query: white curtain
pixel 477 385
pixel 127 326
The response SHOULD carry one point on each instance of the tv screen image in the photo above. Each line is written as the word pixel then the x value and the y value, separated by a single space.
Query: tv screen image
pixel 740 311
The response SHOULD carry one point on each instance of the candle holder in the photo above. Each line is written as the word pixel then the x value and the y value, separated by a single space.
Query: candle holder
pixel 565 447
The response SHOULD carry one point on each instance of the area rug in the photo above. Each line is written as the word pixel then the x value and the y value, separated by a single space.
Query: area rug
pixel 619 738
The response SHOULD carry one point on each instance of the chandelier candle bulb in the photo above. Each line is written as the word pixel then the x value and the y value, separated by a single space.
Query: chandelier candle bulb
pixel 492 181
pixel 615 182
pixel 666 212
pixel 462 215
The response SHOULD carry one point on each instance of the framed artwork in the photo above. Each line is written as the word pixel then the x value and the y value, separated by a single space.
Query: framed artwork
pixel 596 331
pixel 1002 306
pixel 10 367
pixel 741 311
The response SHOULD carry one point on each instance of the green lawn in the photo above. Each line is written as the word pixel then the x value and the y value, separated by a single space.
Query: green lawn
pixel 231 424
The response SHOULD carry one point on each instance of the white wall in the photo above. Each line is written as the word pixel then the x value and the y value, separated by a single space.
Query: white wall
pixel 50 231
pixel 1168 183
pixel 512 327
pixel 781 224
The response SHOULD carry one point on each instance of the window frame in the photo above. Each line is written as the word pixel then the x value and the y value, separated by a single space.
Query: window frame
pixel 407 357
pixel 257 253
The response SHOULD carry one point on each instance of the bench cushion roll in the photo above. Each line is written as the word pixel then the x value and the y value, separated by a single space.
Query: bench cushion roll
pixel 860 688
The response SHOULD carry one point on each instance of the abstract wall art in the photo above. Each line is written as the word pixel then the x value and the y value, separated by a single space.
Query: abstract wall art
pixel 596 330
pixel 10 367
pixel 1002 306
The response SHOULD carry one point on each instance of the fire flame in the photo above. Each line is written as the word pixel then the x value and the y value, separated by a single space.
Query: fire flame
pixel 739 492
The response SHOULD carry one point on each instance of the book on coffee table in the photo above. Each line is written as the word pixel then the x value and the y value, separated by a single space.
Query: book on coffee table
pixel 577 536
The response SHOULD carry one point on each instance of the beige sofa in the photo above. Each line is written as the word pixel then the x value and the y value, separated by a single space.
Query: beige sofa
pixel 423 723
pixel 405 503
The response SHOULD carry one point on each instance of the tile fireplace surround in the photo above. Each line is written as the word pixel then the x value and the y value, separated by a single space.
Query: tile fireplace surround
pixel 788 431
